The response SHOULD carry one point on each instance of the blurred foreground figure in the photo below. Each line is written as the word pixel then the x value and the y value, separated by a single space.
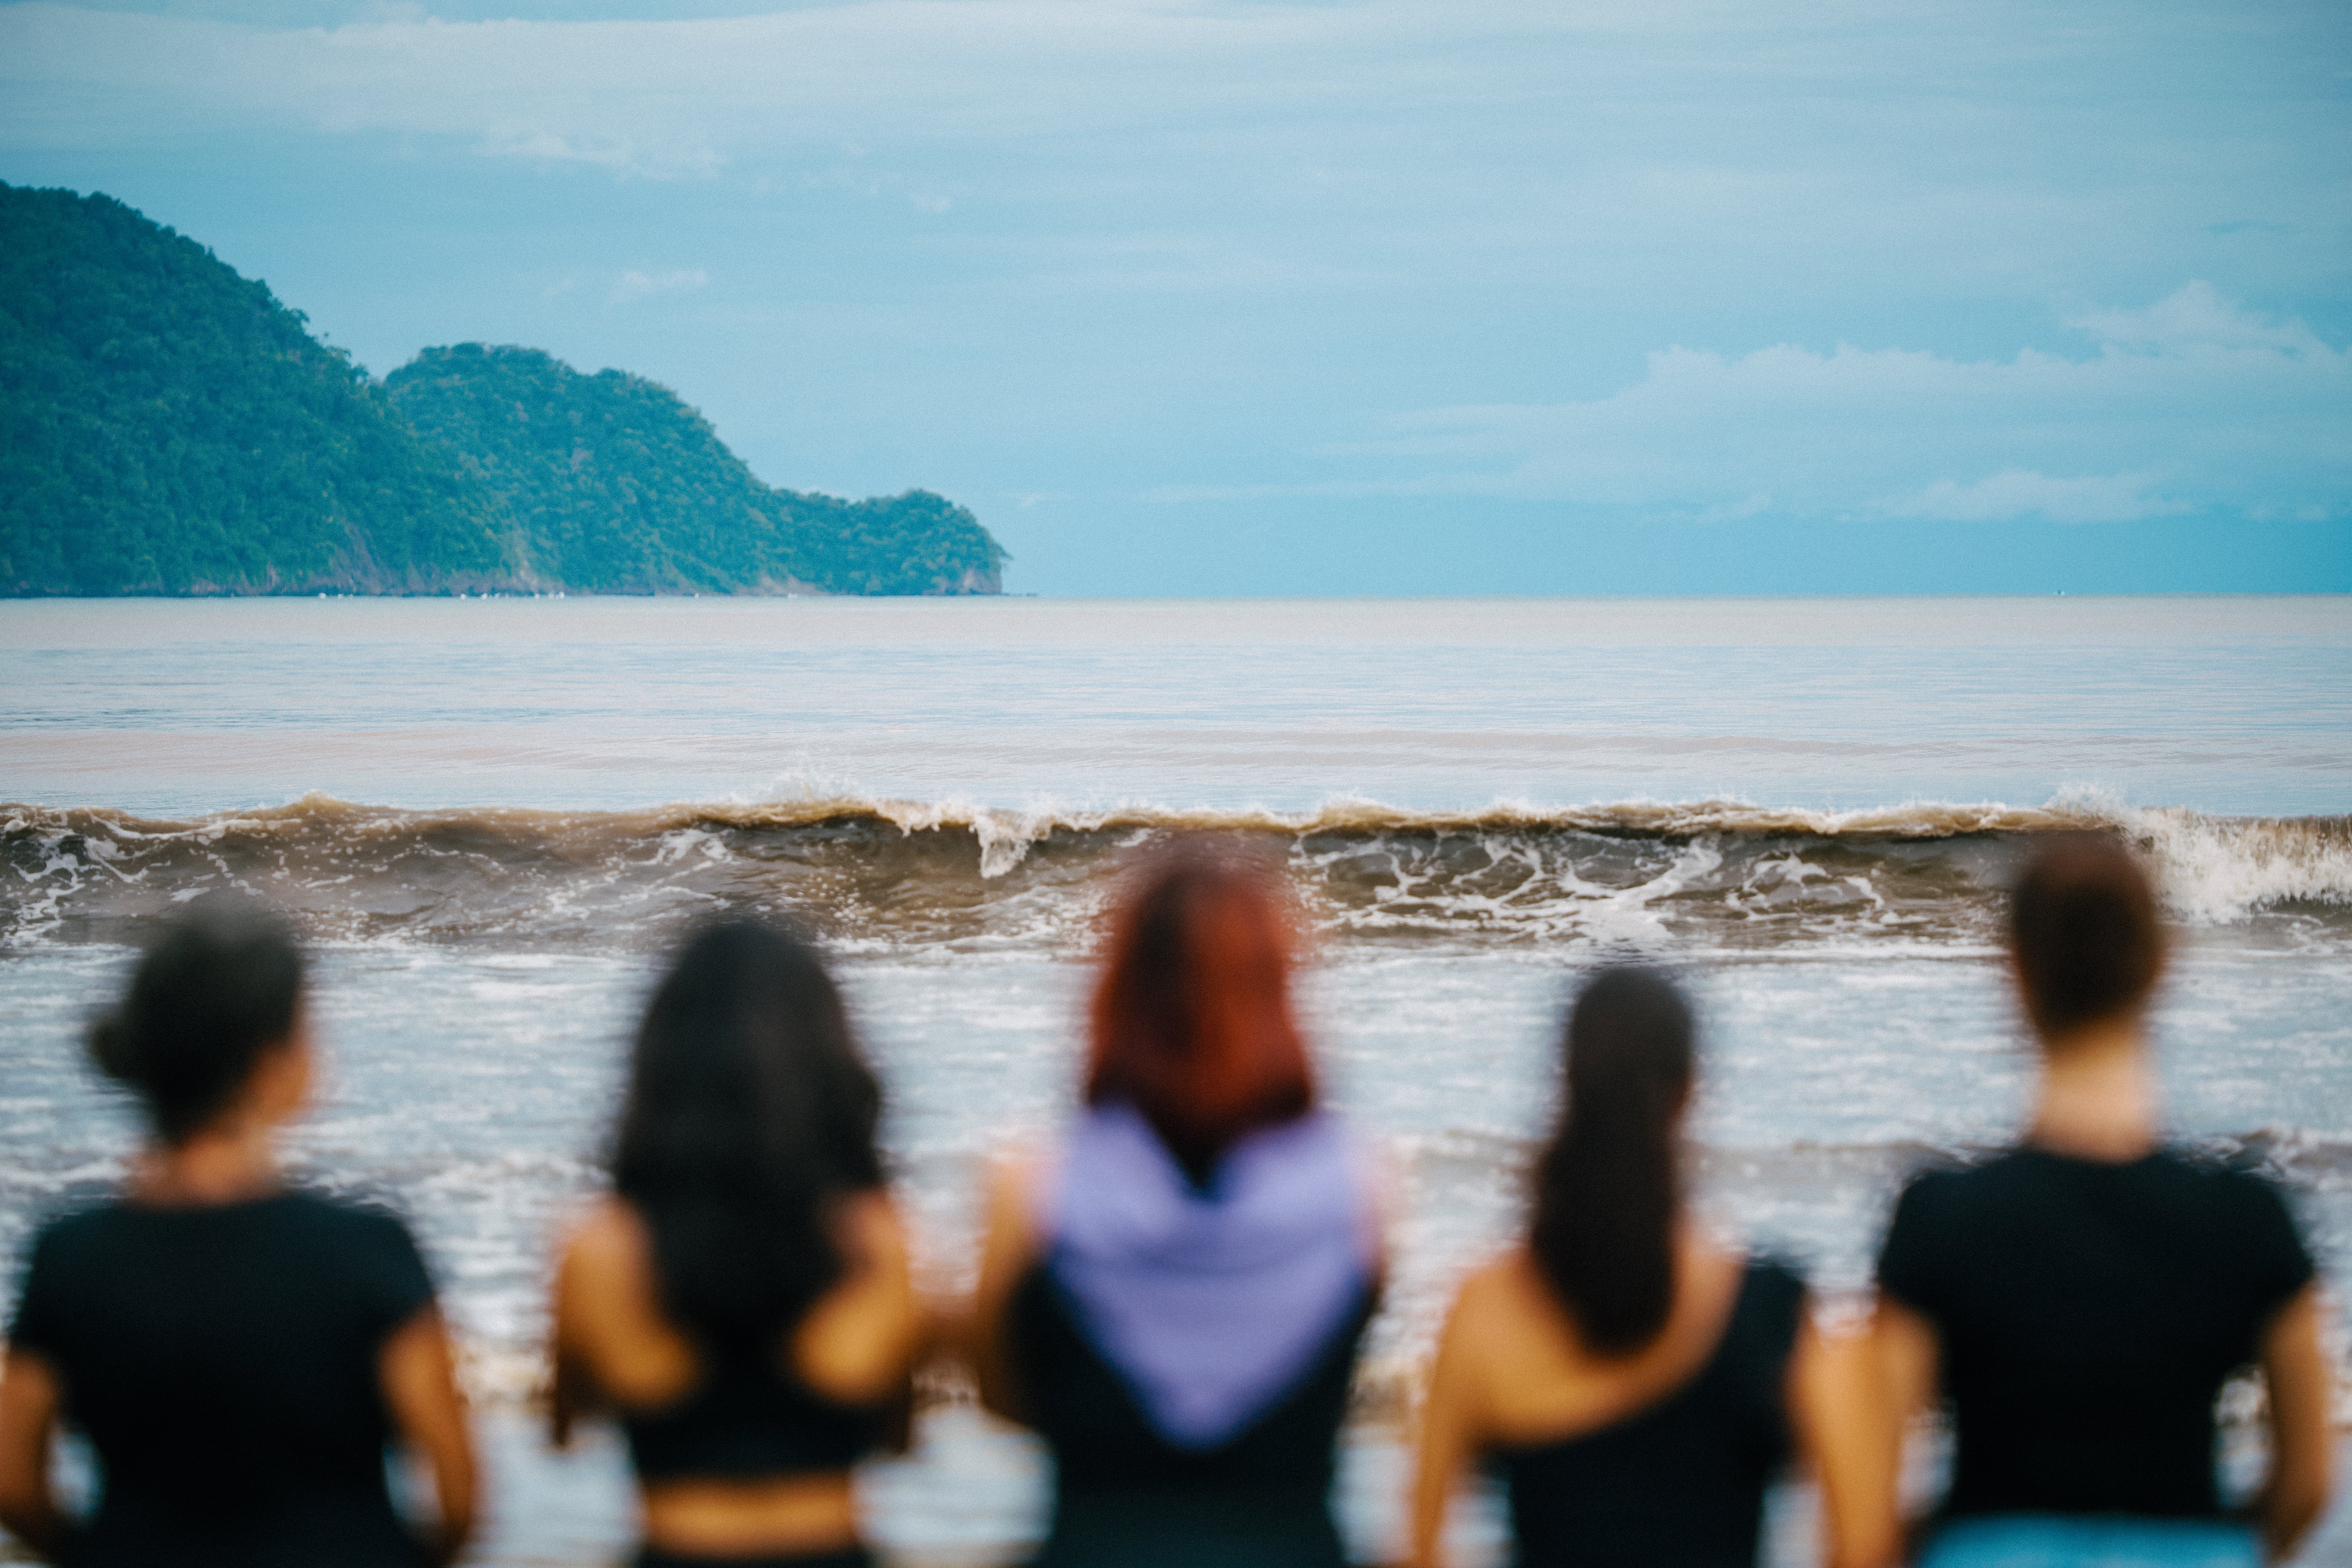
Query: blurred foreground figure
pixel 741 1303
pixel 2080 1299
pixel 238 1353
pixel 1174 1298
pixel 1638 1385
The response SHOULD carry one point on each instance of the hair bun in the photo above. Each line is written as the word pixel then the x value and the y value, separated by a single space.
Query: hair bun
pixel 220 983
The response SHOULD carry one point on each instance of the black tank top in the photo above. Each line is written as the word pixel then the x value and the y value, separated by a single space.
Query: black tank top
pixel 1125 1496
pixel 746 1420
pixel 1681 1483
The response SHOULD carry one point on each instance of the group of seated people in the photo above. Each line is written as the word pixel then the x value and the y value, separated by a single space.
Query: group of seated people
pixel 1174 1295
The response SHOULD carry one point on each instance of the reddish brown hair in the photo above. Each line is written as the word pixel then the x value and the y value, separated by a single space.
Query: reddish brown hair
pixel 2084 928
pixel 1192 1020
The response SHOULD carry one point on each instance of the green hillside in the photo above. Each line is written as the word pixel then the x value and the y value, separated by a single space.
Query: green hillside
pixel 616 486
pixel 167 427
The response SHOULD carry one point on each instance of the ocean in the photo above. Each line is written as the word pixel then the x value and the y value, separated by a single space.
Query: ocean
pixel 494 816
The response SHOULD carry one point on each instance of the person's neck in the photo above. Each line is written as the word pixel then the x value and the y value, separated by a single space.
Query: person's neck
pixel 2098 1098
pixel 222 1165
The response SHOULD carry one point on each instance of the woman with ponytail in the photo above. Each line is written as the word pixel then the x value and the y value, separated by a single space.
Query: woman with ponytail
pixel 1637 1384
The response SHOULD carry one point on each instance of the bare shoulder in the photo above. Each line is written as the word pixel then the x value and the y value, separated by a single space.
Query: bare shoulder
pixel 1015 1181
pixel 1016 1174
pixel 1492 1290
pixel 872 1228
pixel 607 1314
pixel 607 1243
pixel 1491 1318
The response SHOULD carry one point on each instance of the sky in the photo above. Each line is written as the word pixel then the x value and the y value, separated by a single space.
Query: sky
pixel 1357 297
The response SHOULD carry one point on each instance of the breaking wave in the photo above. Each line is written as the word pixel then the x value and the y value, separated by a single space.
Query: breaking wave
pixel 1714 874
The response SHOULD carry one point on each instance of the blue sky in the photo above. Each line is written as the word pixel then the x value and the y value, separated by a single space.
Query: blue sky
pixel 1480 296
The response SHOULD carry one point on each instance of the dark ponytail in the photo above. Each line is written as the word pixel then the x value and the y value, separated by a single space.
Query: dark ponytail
pixel 1608 1188
pixel 220 983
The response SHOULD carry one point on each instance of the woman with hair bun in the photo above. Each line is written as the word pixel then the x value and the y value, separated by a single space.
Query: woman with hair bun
pixel 239 1352
pixel 1637 1384
pixel 1174 1298
pixel 743 1301
pixel 2080 1298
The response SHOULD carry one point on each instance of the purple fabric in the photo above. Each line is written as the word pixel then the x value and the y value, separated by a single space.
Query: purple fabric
pixel 1210 1302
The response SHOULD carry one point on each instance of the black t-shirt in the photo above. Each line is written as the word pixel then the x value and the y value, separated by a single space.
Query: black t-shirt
pixel 222 1362
pixel 2089 1313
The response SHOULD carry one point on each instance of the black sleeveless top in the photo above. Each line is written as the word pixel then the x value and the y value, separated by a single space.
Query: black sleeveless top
pixel 1125 1496
pixel 746 1420
pixel 1679 1484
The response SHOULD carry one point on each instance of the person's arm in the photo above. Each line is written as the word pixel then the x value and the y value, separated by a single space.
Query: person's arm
pixel 1907 1360
pixel 1008 1246
pixel 420 1388
pixel 572 1392
pixel 859 1343
pixel 1839 1408
pixel 31 1399
pixel 2302 1442
pixel 1450 1429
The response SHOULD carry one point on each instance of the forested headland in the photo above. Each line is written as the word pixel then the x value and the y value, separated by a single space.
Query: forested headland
pixel 168 427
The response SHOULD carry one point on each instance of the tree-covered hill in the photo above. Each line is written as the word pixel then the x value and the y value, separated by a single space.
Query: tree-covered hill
pixel 618 487
pixel 167 427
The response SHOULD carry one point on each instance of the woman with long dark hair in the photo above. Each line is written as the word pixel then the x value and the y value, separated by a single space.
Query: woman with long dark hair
pixel 1637 1384
pixel 1173 1299
pixel 240 1352
pixel 2079 1300
pixel 741 1303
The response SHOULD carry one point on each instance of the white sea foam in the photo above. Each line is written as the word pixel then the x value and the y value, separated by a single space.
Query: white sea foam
pixel 874 874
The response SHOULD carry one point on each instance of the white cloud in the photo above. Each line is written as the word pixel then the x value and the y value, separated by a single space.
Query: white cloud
pixel 1318 210
pixel 2018 492
pixel 2188 403
pixel 666 98
pixel 634 285
pixel 2197 321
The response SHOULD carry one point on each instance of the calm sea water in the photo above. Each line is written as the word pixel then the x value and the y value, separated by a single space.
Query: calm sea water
pixel 495 815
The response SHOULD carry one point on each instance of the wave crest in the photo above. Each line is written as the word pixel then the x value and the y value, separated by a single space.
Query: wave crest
pixel 1712 874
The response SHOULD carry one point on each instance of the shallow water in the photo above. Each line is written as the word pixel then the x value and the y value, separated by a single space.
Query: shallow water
pixel 1809 807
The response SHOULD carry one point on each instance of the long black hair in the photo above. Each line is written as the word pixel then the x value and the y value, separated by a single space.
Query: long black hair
pixel 1607 1187
pixel 750 1113
pixel 220 983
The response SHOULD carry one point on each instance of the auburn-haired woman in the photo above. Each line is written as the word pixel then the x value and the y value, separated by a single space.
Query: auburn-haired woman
pixel 239 1352
pixel 1173 1299
pixel 2080 1299
pixel 1637 1384
pixel 741 1301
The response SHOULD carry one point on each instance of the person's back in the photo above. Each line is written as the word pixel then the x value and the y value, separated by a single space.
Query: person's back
pixel 2081 1298
pixel 1187 1351
pixel 1637 1386
pixel 741 1303
pixel 1175 1301
pixel 240 1354
pixel 2089 1311
pixel 1680 1480
pixel 219 1358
